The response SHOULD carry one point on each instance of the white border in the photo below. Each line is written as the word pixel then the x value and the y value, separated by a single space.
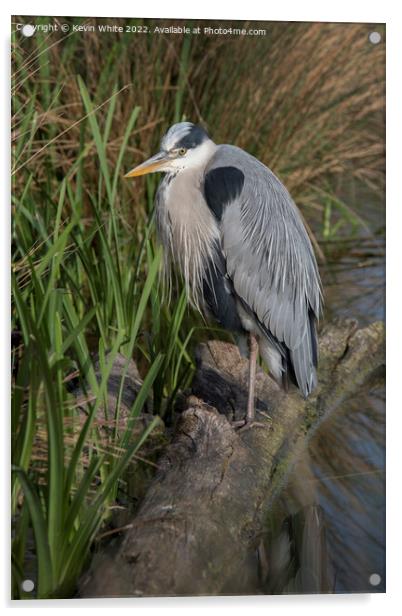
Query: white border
pixel 308 10
pixel 289 10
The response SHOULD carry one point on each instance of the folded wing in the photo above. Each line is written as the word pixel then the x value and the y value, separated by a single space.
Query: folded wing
pixel 269 257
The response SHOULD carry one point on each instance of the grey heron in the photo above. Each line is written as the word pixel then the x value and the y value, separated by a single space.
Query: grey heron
pixel 240 242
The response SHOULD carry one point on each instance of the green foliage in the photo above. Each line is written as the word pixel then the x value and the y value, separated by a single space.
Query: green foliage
pixel 80 287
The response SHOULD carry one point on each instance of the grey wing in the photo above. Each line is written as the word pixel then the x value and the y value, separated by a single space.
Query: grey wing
pixel 269 256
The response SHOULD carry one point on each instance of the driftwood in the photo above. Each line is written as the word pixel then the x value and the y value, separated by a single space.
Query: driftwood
pixel 198 528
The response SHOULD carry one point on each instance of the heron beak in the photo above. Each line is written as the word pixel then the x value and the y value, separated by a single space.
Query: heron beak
pixel 149 166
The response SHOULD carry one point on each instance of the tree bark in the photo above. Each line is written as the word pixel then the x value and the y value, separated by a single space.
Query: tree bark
pixel 199 525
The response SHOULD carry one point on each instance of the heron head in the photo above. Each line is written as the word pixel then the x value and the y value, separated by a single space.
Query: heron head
pixel 184 146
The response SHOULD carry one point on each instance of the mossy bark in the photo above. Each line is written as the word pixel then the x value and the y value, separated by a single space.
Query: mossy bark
pixel 199 525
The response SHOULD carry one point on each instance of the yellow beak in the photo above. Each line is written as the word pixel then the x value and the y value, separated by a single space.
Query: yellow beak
pixel 149 166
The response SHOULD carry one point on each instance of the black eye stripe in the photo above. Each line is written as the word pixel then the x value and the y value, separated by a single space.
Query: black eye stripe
pixel 195 137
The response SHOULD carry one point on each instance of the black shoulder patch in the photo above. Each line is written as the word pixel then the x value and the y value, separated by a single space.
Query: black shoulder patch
pixel 195 137
pixel 221 186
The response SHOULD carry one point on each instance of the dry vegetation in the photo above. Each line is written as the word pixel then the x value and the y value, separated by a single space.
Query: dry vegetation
pixel 308 99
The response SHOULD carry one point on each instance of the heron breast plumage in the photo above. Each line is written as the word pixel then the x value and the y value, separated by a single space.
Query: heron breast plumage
pixel 189 229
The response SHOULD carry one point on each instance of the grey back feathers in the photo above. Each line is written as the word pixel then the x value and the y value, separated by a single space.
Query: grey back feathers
pixel 232 222
pixel 270 259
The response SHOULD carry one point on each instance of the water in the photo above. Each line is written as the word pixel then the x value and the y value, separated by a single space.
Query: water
pixel 348 452
pixel 343 472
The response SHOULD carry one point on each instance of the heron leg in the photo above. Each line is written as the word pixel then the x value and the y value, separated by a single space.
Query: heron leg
pixel 251 379
pixel 249 421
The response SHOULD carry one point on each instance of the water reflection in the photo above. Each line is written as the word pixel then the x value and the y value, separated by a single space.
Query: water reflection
pixel 347 454
pixel 348 463
pixel 354 280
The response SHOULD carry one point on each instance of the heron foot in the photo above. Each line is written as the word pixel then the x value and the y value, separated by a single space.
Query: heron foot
pixel 243 424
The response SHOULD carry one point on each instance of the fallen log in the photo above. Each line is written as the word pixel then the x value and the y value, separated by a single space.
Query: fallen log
pixel 198 528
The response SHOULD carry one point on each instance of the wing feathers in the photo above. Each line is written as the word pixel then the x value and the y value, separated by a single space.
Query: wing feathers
pixel 269 256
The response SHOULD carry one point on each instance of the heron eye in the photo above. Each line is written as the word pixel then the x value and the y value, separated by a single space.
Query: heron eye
pixel 182 151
